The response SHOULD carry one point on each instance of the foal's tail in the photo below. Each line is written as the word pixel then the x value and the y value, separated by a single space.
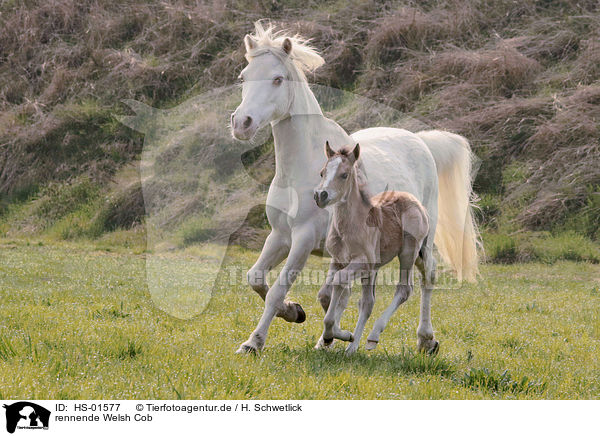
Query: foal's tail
pixel 457 236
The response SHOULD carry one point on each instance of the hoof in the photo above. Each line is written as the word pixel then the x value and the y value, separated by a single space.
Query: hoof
pixel 371 345
pixel 322 346
pixel 247 349
pixel 434 350
pixel 301 314
pixel 327 342
pixel 351 349
pixel 430 346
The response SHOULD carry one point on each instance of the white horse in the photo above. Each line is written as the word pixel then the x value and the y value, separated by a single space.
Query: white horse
pixel 424 164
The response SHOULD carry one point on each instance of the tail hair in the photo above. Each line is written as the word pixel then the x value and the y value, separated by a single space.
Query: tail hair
pixel 457 238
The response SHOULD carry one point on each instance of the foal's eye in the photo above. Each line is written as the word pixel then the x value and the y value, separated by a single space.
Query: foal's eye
pixel 277 81
pixel 344 176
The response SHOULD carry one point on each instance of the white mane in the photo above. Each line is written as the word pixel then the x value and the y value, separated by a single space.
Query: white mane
pixel 303 56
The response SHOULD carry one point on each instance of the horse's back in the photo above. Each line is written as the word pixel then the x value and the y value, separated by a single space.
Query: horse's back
pixel 399 160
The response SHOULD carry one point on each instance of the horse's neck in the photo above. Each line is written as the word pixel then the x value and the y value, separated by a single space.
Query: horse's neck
pixel 300 138
pixel 297 154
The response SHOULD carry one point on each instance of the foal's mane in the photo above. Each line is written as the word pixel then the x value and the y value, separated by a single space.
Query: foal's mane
pixel 303 56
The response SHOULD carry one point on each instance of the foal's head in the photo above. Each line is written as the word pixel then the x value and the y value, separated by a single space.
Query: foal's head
pixel 336 175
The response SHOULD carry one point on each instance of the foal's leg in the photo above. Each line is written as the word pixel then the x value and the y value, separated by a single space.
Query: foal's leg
pixel 342 285
pixel 324 296
pixel 408 255
pixel 365 306
pixel 425 339
pixel 303 242
pixel 332 330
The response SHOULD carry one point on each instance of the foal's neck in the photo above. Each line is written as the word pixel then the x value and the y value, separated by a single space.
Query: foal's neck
pixel 350 213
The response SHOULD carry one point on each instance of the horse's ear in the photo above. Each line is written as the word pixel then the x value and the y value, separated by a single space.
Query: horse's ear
pixel 249 42
pixel 328 151
pixel 287 46
pixel 356 152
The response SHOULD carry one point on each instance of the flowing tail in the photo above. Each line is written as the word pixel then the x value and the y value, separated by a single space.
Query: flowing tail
pixel 456 237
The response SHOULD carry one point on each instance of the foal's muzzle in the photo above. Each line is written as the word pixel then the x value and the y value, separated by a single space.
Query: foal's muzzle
pixel 321 197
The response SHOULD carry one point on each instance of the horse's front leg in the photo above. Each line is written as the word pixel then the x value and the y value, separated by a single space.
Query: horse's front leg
pixel 303 242
pixel 276 248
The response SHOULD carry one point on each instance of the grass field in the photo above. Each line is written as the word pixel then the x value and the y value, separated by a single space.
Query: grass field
pixel 76 322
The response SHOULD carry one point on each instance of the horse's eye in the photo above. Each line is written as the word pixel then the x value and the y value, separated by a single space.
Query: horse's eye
pixel 344 176
pixel 277 81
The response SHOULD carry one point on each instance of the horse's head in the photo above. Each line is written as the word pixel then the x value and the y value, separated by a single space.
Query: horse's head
pixel 336 175
pixel 271 79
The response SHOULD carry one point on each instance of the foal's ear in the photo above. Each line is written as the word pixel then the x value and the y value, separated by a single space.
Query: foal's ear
pixel 356 152
pixel 328 151
pixel 249 42
pixel 287 46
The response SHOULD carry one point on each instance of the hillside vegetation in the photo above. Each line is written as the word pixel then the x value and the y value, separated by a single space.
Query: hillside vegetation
pixel 521 80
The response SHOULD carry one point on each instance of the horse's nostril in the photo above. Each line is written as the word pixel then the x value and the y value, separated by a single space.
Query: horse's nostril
pixel 247 122
pixel 323 195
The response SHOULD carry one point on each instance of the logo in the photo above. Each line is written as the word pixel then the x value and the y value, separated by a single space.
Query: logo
pixel 26 415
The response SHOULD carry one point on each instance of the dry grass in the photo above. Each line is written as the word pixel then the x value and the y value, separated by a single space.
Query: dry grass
pixel 520 80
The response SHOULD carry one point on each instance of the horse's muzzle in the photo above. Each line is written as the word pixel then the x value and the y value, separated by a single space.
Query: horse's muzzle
pixel 242 127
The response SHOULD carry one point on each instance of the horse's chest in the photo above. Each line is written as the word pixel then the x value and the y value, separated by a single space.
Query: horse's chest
pixel 291 207
pixel 282 203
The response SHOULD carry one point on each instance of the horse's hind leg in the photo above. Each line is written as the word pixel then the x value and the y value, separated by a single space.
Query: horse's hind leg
pixel 408 255
pixel 425 338
pixel 365 306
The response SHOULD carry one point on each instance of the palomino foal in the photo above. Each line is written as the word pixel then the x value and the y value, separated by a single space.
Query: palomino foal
pixel 364 235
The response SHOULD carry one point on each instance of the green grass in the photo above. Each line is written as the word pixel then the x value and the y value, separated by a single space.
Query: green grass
pixel 539 247
pixel 78 322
